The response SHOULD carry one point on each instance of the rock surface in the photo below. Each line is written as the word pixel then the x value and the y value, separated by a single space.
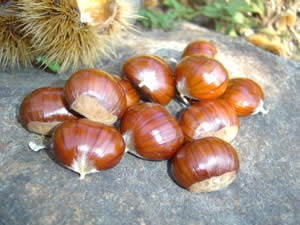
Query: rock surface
pixel 36 190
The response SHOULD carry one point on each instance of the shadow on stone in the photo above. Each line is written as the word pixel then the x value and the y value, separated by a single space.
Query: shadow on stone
pixel 169 169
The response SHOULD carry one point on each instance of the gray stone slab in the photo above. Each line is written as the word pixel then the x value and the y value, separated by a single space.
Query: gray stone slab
pixel 36 190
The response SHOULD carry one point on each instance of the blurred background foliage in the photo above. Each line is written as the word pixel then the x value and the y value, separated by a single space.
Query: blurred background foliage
pixel 273 25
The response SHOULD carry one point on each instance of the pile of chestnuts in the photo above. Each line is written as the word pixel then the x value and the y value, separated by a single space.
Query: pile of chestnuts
pixel 81 116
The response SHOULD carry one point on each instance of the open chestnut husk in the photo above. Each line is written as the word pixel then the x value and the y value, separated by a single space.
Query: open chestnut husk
pixel 213 117
pixel 43 109
pixel 96 95
pixel 205 165
pixel 151 75
pixel 200 47
pixel 246 96
pixel 86 146
pixel 131 95
pixel 200 77
pixel 150 132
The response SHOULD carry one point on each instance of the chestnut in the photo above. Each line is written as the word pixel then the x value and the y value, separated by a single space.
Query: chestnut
pixel 205 165
pixel 132 96
pixel 152 76
pixel 86 146
pixel 96 95
pixel 214 117
pixel 200 77
pixel 43 109
pixel 246 96
pixel 150 132
pixel 200 47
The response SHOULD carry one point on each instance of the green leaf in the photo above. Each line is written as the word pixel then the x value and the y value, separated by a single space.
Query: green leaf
pixel 211 11
pixel 257 6
pixel 238 5
pixel 53 66
pixel 238 18
pixel 175 12
pixel 232 13
pixel 157 20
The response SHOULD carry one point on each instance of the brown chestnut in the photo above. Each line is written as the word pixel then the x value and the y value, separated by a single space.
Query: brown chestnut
pixel 132 96
pixel 151 132
pixel 43 109
pixel 205 165
pixel 213 117
pixel 200 47
pixel 86 146
pixel 200 77
pixel 96 95
pixel 246 96
pixel 152 76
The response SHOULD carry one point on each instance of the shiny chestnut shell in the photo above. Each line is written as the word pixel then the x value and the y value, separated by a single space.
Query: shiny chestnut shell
pixel 151 75
pixel 43 109
pixel 245 95
pixel 86 146
pixel 200 47
pixel 132 96
pixel 151 132
pixel 205 165
pixel 200 77
pixel 213 117
pixel 96 95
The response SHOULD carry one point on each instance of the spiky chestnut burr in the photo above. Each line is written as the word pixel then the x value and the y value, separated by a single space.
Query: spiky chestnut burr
pixel 15 49
pixel 4 4
pixel 75 33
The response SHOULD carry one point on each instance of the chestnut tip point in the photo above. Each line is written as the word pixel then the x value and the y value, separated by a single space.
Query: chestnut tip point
pixel 183 98
pixel 181 102
pixel 260 109
pixel 173 60
pixel 81 165
pixel 183 92
pixel 82 175
pixel 36 147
